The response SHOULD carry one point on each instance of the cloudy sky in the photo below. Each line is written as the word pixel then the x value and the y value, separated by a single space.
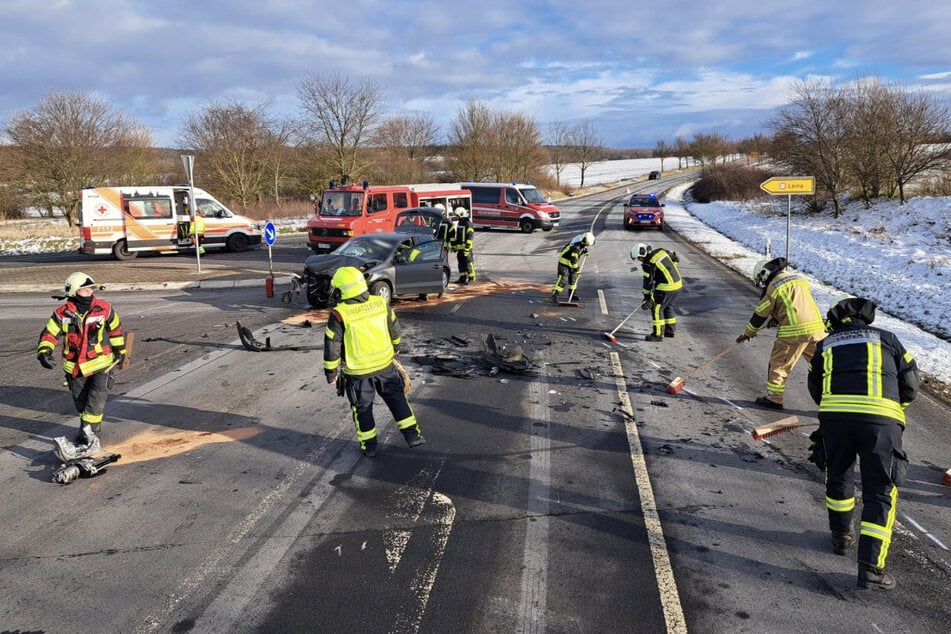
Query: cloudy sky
pixel 639 71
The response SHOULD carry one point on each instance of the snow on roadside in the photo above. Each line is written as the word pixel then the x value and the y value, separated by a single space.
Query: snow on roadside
pixel 896 255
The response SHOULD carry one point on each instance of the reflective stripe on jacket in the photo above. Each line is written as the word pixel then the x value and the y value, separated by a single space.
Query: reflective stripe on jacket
pixel 461 237
pixel 571 254
pixel 789 302
pixel 661 273
pixel 361 335
pixel 89 339
pixel 862 373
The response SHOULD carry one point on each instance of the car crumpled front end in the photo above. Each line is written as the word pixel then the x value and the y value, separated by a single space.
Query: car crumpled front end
pixel 318 271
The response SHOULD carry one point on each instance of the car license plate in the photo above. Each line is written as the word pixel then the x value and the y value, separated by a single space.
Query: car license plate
pixel 323 245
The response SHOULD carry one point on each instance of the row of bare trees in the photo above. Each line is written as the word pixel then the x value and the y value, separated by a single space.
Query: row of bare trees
pixel 72 140
pixel 864 136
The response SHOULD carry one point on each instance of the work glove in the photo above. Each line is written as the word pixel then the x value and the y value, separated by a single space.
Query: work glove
pixel 648 303
pixel 743 337
pixel 46 359
pixel 330 375
pixel 118 356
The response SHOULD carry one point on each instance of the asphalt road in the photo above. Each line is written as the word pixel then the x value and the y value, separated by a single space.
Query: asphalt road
pixel 579 497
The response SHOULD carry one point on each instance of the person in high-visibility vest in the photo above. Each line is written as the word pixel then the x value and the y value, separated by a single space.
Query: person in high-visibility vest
pixel 196 229
pixel 570 260
pixel 661 284
pixel 862 378
pixel 786 302
pixel 361 340
pixel 93 342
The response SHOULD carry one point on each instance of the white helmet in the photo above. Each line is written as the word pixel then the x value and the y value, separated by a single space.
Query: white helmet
pixel 440 206
pixel 461 212
pixel 640 250
pixel 77 281
pixel 588 239
pixel 764 268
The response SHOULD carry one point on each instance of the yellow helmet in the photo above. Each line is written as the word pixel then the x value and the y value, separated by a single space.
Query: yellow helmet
pixel 77 281
pixel 349 281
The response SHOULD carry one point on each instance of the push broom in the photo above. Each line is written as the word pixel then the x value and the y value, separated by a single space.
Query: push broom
pixel 779 427
pixel 675 386
pixel 610 335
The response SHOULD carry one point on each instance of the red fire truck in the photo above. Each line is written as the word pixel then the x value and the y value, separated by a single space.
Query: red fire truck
pixel 344 211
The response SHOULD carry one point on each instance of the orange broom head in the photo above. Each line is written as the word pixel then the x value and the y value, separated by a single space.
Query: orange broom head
pixel 947 477
pixel 675 386
pixel 610 337
pixel 779 427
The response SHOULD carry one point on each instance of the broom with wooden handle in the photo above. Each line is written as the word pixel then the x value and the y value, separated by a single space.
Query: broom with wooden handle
pixel 675 386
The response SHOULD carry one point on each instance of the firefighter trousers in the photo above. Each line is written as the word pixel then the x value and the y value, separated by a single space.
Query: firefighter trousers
pixel 361 392
pixel 786 353
pixel 663 320
pixel 466 262
pixel 567 278
pixel 876 447
pixel 89 396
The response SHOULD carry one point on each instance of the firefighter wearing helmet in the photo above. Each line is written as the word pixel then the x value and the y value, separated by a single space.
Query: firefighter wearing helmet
pixel 786 302
pixel 460 241
pixel 661 284
pixel 361 340
pixel 90 332
pixel 862 379
pixel 570 264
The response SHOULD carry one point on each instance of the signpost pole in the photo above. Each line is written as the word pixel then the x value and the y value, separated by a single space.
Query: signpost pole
pixel 188 161
pixel 790 186
pixel 270 236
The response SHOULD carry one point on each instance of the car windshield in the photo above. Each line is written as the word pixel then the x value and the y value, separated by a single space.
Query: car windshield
pixel 646 201
pixel 341 204
pixel 532 195
pixel 366 247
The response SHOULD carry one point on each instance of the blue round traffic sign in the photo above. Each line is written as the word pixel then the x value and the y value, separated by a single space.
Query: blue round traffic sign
pixel 270 233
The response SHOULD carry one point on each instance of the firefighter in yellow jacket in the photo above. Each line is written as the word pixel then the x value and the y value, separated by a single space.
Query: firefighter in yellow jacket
pixel 360 342
pixel 93 342
pixel 662 282
pixel 787 303
pixel 570 262
pixel 862 379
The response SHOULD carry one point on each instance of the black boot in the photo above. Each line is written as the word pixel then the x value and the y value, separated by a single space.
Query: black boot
pixel 873 578
pixel 413 437
pixel 369 448
pixel 841 543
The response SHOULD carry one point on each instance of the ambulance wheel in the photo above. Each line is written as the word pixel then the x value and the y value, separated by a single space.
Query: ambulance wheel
pixel 237 242
pixel 120 250
pixel 525 225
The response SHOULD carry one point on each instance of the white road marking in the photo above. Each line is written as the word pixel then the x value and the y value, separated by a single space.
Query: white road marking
pixel 924 532
pixel 533 595
pixel 666 584
pixel 408 502
pixel 601 300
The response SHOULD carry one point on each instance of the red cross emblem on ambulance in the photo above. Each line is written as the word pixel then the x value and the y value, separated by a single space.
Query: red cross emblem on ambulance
pixel 102 210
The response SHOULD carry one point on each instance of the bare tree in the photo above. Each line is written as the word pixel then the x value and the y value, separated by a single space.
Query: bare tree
pixel 922 124
pixel 405 144
pixel 869 128
pixel 683 152
pixel 809 136
pixel 240 150
pixel 662 150
pixel 341 115
pixel 707 147
pixel 471 142
pixel 72 140
pixel 519 153
pixel 586 145
pixel 559 150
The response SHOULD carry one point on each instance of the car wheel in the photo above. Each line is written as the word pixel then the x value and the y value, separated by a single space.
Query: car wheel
pixel 445 282
pixel 525 225
pixel 317 295
pixel 120 251
pixel 382 289
pixel 237 242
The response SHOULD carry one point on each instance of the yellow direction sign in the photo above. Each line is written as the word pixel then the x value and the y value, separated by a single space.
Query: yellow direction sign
pixel 789 185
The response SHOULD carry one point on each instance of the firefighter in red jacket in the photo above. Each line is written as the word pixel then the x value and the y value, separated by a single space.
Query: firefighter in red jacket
pixel 93 342
pixel 360 341
pixel 862 378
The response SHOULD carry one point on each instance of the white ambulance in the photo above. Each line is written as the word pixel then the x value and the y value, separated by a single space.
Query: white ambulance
pixel 125 221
